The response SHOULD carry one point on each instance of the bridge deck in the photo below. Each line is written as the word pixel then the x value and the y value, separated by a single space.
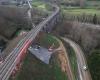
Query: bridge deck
pixel 11 45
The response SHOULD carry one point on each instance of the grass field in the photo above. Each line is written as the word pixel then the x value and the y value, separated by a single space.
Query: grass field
pixel 78 10
pixel 40 5
pixel 34 69
pixel 82 11
pixel 93 3
pixel 48 40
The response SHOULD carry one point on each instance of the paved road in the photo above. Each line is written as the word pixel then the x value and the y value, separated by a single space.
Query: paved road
pixel 42 53
pixel 81 60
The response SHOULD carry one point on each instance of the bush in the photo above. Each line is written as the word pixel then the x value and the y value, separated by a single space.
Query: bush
pixel 94 64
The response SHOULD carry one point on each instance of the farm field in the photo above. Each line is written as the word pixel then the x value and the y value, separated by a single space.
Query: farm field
pixel 79 11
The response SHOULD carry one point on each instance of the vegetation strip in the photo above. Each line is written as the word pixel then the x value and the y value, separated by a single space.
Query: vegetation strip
pixel 72 58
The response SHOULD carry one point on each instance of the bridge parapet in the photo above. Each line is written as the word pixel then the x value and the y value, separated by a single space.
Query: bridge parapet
pixel 50 24
pixel 11 61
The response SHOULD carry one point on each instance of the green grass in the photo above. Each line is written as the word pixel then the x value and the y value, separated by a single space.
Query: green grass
pixel 93 3
pixel 79 11
pixel 47 40
pixel 34 69
pixel 94 64
pixel 73 61
pixel 59 75
pixel 82 11
pixel 40 5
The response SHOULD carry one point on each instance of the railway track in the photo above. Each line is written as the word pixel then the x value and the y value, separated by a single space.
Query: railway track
pixel 10 62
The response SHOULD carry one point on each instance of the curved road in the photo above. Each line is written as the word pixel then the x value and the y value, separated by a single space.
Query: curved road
pixel 81 60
